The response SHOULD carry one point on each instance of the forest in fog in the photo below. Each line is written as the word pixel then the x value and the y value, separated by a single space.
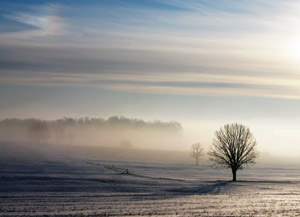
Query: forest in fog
pixel 113 132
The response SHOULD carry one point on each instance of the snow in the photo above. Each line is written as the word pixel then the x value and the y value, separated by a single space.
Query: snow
pixel 63 185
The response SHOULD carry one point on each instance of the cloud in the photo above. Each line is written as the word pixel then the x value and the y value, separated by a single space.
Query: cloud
pixel 179 84
pixel 45 19
pixel 192 48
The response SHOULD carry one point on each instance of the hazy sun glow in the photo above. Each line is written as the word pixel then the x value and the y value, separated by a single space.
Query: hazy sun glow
pixel 195 62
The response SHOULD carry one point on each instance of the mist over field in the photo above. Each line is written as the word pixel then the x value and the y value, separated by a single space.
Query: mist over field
pixel 149 108
pixel 63 180
pixel 114 138
pixel 112 132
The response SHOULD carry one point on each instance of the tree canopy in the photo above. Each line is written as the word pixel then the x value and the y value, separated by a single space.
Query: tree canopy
pixel 233 147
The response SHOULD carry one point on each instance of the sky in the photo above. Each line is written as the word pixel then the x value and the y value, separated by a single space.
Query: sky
pixel 201 63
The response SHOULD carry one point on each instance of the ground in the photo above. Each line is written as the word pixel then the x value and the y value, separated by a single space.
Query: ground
pixel 64 185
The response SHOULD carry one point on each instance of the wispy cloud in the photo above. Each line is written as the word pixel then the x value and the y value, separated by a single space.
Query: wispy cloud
pixel 190 47
pixel 179 84
pixel 45 19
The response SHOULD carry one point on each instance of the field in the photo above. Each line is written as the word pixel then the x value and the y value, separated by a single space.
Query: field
pixel 51 184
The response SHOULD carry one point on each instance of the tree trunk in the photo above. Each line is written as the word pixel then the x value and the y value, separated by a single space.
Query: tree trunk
pixel 233 174
pixel 197 161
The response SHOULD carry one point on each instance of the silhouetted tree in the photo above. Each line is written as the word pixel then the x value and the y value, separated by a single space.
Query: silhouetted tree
pixel 60 134
pixel 233 146
pixel 39 131
pixel 197 152
pixel 71 137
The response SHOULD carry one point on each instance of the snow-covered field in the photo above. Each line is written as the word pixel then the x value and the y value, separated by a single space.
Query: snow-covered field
pixel 64 185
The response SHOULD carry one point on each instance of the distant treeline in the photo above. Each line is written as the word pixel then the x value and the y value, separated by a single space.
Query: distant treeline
pixel 114 122
pixel 88 130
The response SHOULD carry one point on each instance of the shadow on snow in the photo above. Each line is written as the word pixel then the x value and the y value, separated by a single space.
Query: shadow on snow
pixel 202 189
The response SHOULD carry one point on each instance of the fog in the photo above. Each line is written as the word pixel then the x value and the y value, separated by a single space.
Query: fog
pixel 112 132
pixel 114 138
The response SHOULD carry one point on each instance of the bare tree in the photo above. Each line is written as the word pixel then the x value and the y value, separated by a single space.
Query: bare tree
pixel 71 137
pixel 60 134
pixel 39 131
pixel 233 147
pixel 197 152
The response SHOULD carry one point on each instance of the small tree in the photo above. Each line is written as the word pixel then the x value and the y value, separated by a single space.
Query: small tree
pixel 233 147
pixel 197 152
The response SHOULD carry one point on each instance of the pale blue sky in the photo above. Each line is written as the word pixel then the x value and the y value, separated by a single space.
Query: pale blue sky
pixel 202 63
